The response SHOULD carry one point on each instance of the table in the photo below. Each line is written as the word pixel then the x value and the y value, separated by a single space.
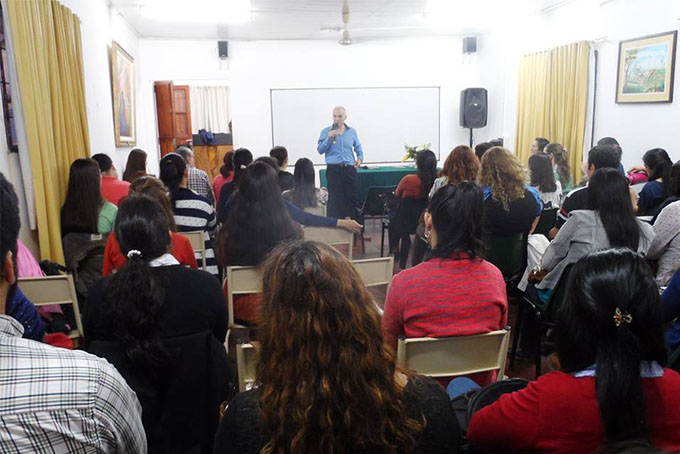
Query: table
pixel 374 176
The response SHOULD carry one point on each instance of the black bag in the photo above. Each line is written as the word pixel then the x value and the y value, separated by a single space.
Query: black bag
pixel 465 405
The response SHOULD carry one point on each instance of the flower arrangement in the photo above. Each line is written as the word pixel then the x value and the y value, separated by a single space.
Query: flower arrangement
pixel 411 151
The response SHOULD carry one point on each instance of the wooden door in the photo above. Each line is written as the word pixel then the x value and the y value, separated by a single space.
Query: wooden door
pixel 165 114
pixel 182 114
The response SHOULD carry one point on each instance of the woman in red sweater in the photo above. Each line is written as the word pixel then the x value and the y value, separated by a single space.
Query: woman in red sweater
pixel 610 386
pixel 180 246
pixel 455 292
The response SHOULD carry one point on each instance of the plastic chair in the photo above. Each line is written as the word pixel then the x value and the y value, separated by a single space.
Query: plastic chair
pixel 197 240
pixel 319 210
pixel 455 356
pixel 246 363
pixel 374 207
pixel 508 253
pixel 546 222
pixel 333 236
pixel 240 280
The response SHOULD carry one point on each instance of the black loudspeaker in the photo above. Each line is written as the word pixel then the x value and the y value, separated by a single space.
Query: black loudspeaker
pixel 470 45
pixel 473 108
pixel 223 49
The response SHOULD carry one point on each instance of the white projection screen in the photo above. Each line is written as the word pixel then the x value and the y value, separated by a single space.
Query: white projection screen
pixel 384 118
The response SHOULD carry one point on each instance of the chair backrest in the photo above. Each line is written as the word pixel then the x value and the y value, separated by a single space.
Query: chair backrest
pixel 197 240
pixel 319 210
pixel 559 293
pixel 508 253
pixel 241 280
pixel 246 362
pixel 546 222
pixel 376 271
pixel 332 236
pixel 46 290
pixel 455 356
pixel 374 203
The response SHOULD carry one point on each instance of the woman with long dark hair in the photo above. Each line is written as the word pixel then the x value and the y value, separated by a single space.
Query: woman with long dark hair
pixel 151 299
pixel 657 165
pixel 610 385
pixel 135 166
pixel 666 245
pixel 225 176
pixel 461 165
pixel 84 210
pixel 192 211
pixel 610 222
pixel 304 193
pixel 561 168
pixel 542 179
pixel 241 159
pixel 180 246
pixel 325 381
pixel 455 292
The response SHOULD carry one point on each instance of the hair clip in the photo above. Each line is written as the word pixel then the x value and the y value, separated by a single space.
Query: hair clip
pixel 243 166
pixel 134 252
pixel 620 317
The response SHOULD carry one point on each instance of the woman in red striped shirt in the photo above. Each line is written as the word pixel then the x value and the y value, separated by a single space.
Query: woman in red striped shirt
pixel 455 292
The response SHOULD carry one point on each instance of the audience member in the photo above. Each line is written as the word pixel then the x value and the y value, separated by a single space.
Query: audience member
pixel 180 246
pixel 192 211
pixel 286 179
pixel 609 222
pixel 139 318
pixel 112 188
pixel 561 167
pixel 304 193
pixel 53 399
pixel 225 176
pixel 482 148
pixel 599 157
pixel 84 210
pixel 460 165
pixel 673 187
pixel 198 180
pixel 610 385
pixel 612 142
pixel 325 381
pixel 455 292
pixel 665 247
pixel 510 207
pixel 257 222
pixel 657 165
pixel 671 311
pixel 412 192
pixel 242 157
pixel 135 166
pixel 543 180
pixel 538 145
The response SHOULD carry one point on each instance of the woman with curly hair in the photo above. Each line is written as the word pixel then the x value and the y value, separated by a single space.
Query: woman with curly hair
pixel 325 381
pixel 461 164
pixel 510 206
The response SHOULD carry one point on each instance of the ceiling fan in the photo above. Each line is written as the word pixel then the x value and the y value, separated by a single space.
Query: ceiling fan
pixel 346 40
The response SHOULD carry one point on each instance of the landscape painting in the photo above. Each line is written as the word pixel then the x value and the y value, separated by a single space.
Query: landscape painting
pixel 645 70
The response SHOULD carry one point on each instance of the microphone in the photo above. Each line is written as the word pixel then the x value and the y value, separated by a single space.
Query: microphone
pixel 333 128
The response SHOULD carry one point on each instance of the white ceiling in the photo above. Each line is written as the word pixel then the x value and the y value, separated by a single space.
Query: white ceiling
pixel 305 19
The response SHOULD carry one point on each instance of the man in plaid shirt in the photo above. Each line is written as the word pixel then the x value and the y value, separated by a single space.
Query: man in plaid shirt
pixel 199 182
pixel 54 400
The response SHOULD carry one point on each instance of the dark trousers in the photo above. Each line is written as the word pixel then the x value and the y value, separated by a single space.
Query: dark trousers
pixel 342 191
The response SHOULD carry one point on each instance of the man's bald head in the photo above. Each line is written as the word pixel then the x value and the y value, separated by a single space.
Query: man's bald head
pixel 339 115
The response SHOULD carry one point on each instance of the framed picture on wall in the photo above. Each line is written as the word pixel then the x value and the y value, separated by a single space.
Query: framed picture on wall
pixel 646 69
pixel 123 92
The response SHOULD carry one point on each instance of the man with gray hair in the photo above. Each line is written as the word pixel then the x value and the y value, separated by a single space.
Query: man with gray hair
pixel 199 182
pixel 339 143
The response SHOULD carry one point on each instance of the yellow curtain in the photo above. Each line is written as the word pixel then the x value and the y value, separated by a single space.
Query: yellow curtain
pixel 48 54
pixel 552 101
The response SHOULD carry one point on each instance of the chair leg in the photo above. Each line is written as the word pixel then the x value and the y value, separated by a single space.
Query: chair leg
pixel 517 330
pixel 538 349
pixel 363 244
pixel 382 239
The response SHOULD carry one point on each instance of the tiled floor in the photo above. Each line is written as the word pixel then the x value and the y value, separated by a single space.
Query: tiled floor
pixel 524 368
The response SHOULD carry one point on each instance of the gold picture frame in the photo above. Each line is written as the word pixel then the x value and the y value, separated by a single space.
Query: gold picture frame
pixel 123 93
pixel 646 68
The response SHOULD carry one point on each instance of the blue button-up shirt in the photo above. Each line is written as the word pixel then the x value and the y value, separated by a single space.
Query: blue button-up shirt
pixel 342 151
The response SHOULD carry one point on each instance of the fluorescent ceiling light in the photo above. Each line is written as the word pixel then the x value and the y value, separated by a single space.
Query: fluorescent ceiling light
pixel 197 11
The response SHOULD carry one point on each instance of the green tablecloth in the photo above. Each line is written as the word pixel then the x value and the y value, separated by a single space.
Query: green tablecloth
pixel 374 176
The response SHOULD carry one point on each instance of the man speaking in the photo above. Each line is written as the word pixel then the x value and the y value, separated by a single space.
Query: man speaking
pixel 339 143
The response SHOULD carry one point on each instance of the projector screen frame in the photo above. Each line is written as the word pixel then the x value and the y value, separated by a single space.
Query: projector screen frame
pixel 439 113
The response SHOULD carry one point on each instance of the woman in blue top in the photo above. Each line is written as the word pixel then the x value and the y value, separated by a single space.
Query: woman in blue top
pixel 658 165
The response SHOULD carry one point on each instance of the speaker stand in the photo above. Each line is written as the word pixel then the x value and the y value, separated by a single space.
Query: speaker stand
pixel 471 142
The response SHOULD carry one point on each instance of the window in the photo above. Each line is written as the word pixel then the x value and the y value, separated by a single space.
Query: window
pixel 7 108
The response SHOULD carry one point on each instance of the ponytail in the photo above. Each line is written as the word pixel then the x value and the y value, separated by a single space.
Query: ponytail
pixel 172 168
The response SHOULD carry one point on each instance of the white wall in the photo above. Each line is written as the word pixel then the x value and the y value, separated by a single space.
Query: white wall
pixel 637 127
pixel 99 25
pixel 255 67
